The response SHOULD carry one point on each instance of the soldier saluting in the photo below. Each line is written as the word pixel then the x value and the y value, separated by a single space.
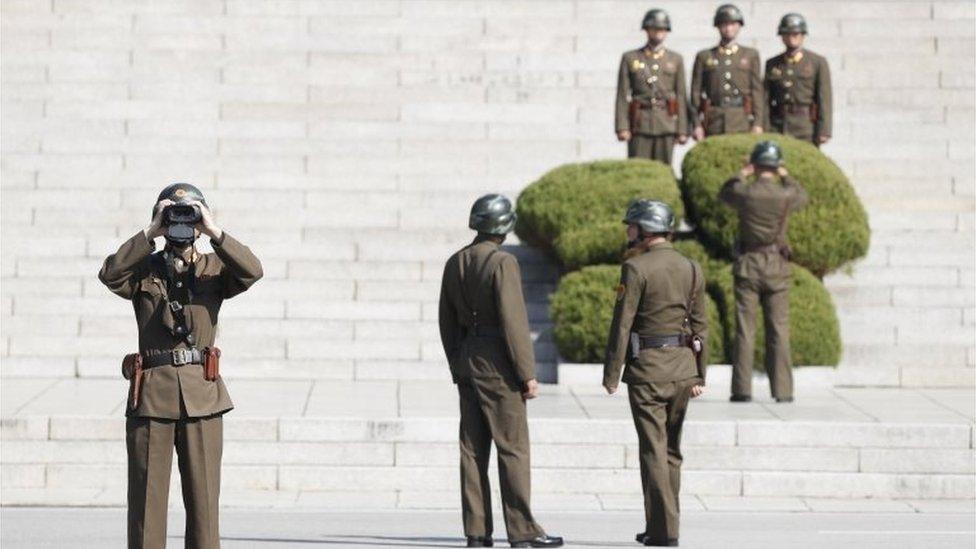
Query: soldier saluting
pixel 651 95
pixel 659 331
pixel 798 87
pixel 762 267
pixel 726 86
pixel 485 331
pixel 176 398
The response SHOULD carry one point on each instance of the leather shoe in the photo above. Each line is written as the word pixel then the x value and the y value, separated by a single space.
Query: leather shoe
pixel 785 399
pixel 668 543
pixel 740 398
pixel 478 541
pixel 544 540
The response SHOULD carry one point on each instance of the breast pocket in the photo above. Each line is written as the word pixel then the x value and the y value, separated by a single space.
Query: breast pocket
pixel 150 302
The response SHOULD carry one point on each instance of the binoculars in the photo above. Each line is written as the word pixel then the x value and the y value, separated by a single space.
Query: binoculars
pixel 180 220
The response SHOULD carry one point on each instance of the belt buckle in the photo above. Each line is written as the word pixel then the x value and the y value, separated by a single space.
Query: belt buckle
pixel 181 357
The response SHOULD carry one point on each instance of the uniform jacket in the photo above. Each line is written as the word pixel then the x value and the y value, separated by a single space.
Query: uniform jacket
pixel 132 274
pixel 647 76
pixel 482 285
pixel 801 79
pixel 763 207
pixel 727 74
pixel 652 300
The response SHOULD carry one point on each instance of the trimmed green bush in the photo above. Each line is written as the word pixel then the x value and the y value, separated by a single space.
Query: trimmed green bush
pixel 574 211
pixel 582 309
pixel 831 231
pixel 814 329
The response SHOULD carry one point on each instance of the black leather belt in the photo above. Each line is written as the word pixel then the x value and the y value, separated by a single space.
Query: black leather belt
pixel 485 331
pixel 658 342
pixel 176 357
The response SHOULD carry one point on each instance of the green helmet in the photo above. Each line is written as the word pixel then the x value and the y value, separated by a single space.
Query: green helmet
pixel 492 214
pixel 766 154
pixel 792 22
pixel 656 19
pixel 728 13
pixel 180 193
pixel 651 216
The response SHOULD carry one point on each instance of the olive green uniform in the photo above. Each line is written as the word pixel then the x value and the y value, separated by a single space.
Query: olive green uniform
pixel 178 407
pixel 653 300
pixel 726 89
pixel 651 102
pixel 484 327
pixel 798 91
pixel 763 276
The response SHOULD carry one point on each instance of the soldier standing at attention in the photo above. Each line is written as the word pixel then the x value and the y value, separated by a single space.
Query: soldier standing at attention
pixel 798 87
pixel 176 396
pixel 659 330
pixel 485 331
pixel 651 95
pixel 726 87
pixel 762 268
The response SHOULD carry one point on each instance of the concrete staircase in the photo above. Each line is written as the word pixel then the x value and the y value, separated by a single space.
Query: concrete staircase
pixel 344 142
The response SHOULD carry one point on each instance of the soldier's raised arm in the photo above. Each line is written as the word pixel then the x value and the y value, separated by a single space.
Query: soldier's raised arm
pixel 122 270
pixel 513 317
pixel 629 293
pixel 241 267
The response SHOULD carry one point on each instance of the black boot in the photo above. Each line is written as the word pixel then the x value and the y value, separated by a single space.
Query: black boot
pixel 668 543
pixel 784 399
pixel 544 540
pixel 479 541
pixel 740 398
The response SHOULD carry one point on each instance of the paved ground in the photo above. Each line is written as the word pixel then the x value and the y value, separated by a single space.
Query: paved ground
pixel 386 399
pixel 38 528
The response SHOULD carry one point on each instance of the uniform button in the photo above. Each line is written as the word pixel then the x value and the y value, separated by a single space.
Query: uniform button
pixel 728 61
pixel 727 86
pixel 786 96
pixel 787 84
pixel 728 75
pixel 179 284
pixel 789 71
pixel 735 92
pixel 652 79
pixel 655 66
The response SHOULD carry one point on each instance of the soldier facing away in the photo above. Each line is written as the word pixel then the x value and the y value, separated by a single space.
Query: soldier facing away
pixel 651 102
pixel 485 332
pixel 658 330
pixel 762 267
pixel 798 87
pixel 726 86
pixel 176 396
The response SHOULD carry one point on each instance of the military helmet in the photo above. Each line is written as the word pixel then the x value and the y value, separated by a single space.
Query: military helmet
pixel 651 216
pixel 767 154
pixel 492 214
pixel 728 13
pixel 180 193
pixel 656 19
pixel 792 22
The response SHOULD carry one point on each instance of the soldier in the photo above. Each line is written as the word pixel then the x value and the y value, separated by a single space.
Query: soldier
pixel 651 98
pixel 659 330
pixel 485 331
pixel 176 398
pixel 798 87
pixel 762 267
pixel 726 88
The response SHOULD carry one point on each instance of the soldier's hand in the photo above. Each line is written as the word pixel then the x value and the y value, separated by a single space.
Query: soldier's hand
pixel 207 225
pixel 757 129
pixel 530 390
pixel 697 391
pixel 611 389
pixel 823 139
pixel 782 171
pixel 155 227
pixel 623 135
pixel 747 170
pixel 698 133
pixel 682 139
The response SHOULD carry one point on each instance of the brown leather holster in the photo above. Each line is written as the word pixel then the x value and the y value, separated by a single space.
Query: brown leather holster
pixel 211 363
pixel 132 371
pixel 747 105
pixel 814 113
pixel 703 107
pixel 633 111
pixel 672 106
